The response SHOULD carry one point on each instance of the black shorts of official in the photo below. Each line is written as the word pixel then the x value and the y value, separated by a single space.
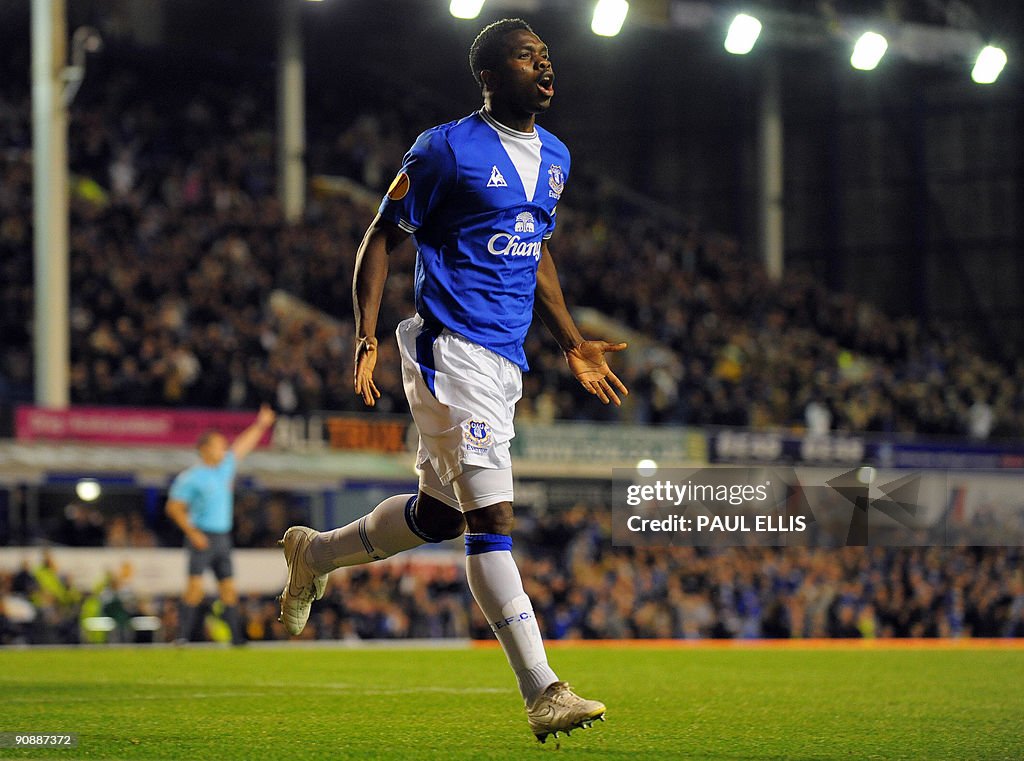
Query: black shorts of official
pixel 217 556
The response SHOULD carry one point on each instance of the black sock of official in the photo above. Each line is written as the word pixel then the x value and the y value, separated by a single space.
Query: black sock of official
pixel 187 614
pixel 231 619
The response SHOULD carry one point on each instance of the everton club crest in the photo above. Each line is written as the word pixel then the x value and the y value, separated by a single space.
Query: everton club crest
pixel 556 181
pixel 476 436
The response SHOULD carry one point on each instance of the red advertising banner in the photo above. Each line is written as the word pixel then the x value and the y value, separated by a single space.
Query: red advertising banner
pixel 127 425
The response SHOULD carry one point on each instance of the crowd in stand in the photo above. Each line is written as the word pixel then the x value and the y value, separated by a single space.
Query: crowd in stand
pixel 177 243
pixel 583 588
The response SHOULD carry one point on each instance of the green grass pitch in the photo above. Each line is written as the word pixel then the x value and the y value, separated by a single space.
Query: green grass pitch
pixel 736 704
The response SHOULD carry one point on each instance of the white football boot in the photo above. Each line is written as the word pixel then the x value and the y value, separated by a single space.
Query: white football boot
pixel 303 585
pixel 559 709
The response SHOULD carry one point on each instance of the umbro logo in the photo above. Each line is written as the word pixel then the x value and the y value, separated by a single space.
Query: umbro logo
pixel 496 181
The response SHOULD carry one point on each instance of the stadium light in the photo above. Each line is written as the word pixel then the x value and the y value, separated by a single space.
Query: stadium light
pixel 609 15
pixel 989 65
pixel 868 51
pixel 467 9
pixel 88 490
pixel 743 33
pixel 647 468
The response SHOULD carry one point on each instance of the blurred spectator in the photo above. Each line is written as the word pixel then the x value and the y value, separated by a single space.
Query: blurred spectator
pixel 818 417
pixel 980 419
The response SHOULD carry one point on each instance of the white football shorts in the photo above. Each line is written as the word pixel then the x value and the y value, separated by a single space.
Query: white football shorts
pixel 463 398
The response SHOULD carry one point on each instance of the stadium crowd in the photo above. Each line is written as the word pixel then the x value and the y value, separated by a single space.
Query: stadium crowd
pixel 583 588
pixel 177 244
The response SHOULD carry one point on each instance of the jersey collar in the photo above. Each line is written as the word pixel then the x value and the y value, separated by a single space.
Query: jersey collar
pixel 498 126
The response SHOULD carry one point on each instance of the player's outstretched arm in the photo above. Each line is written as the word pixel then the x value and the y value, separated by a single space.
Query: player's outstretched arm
pixel 585 358
pixel 371 272
pixel 250 437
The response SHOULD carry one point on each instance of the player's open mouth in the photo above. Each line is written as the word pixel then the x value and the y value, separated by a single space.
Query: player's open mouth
pixel 546 84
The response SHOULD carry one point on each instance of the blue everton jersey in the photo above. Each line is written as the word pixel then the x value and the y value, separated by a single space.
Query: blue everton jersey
pixel 479 198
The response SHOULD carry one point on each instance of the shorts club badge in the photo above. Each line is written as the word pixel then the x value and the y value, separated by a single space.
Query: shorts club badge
pixel 476 435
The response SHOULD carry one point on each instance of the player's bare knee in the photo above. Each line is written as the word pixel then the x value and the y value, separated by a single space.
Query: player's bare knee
pixel 493 519
pixel 438 520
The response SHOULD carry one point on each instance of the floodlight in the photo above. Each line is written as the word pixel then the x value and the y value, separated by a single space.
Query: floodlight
pixel 609 16
pixel 467 9
pixel 743 33
pixel 868 51
pixel 989 65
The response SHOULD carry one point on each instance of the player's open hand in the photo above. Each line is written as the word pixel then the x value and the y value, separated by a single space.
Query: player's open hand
pixel 587 363
pixel 266 416
pixel 365 361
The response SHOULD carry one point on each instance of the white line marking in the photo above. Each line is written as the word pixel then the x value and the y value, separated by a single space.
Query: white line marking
pixel 207 695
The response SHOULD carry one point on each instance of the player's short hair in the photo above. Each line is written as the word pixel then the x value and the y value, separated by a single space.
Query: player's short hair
pixel 486 50
pixel 206 436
